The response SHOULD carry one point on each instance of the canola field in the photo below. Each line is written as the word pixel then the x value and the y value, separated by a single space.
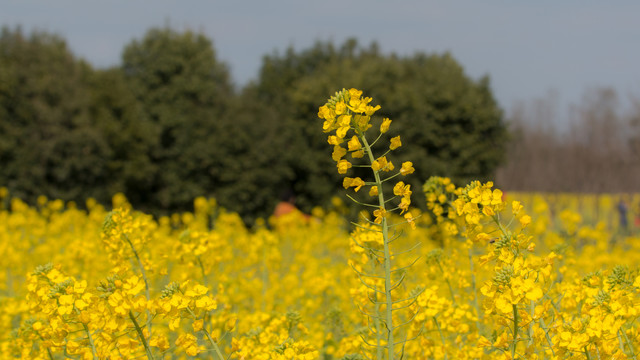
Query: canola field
pixel 73 285
pixel 483 274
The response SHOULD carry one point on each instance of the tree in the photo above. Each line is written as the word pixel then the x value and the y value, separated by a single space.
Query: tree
pixel 254 170
pixel 184 92
pixel 48 143
pixel 595 155
pixel 123 124
pixel 166 126
pixel 450 124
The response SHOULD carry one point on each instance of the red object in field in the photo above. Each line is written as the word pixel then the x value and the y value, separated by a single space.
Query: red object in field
pixel 283 208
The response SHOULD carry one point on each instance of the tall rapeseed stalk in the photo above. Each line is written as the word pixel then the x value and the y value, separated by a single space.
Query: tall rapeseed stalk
pixel 348 112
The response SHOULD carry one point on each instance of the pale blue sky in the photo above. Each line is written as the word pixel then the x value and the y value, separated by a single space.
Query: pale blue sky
pixel 526 47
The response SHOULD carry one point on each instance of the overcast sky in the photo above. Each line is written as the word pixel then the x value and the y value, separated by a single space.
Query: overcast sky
pixel 526 47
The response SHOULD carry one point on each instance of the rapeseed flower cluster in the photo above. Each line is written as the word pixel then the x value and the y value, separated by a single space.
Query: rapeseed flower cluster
pixel 348 111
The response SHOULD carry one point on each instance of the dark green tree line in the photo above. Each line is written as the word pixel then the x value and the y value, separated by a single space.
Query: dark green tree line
pixel 48 142
pixel 184 93
pixel 450 124
pixel 166 125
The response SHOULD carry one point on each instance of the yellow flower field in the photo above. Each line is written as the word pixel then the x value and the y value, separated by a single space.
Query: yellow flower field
pixel 69 283
pixel 480 275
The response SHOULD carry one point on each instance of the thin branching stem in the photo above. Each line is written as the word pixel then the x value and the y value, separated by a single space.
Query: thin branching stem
pixel 403 300
pixel 206 333
pixel 387 255
pixel 143 340
pixel 444 344
pixel 48 349
pixel 368 314
pixel 405 306
pixel 408 251
pixel 213 343
pixel 376 140
pixel 391 177
pixel 91 343
pixel 475 290
pixel 546 334
pixel 391 199
pixel 204 275
pixel 361 203
pixel 367 247
pixel 369 286
pixel 144 278
pixel 366 228
pixel 399 282
pixel 406 322
pixel 378 332
pixel 629 345
pixel 406 267
pixel 366 274
pixel 515 331
pixel 446 279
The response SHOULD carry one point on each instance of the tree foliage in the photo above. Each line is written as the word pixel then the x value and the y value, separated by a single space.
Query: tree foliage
pixel 167 126
pixel 48 142
pixel 184 92
pixel 451 124
pixel 125 126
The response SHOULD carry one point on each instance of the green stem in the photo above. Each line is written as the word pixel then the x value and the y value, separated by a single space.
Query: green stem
pixel 144 277
pixel 204 330
pixel 204 275
pixel 48 349
pixel 497 221
pixel 515 331
pixel 387 256
pixel 586 353
pixel 376 320
pixel 142 270
pixel 446 279
pixel 141 335
pixel 86 330
pixel 93 347
pixel 532 314
pixel 475 291
pixel 213 343
pixel 444 344
pixel 546 334
pixel 391 177
pixel 633 353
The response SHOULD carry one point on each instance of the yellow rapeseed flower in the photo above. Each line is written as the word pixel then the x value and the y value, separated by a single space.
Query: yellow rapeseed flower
pixel 384 127
pixel 395 143
pixel 343 166
pixel 354 144
pixel 407 168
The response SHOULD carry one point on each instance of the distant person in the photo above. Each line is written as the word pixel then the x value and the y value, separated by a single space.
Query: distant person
pixel 623 209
